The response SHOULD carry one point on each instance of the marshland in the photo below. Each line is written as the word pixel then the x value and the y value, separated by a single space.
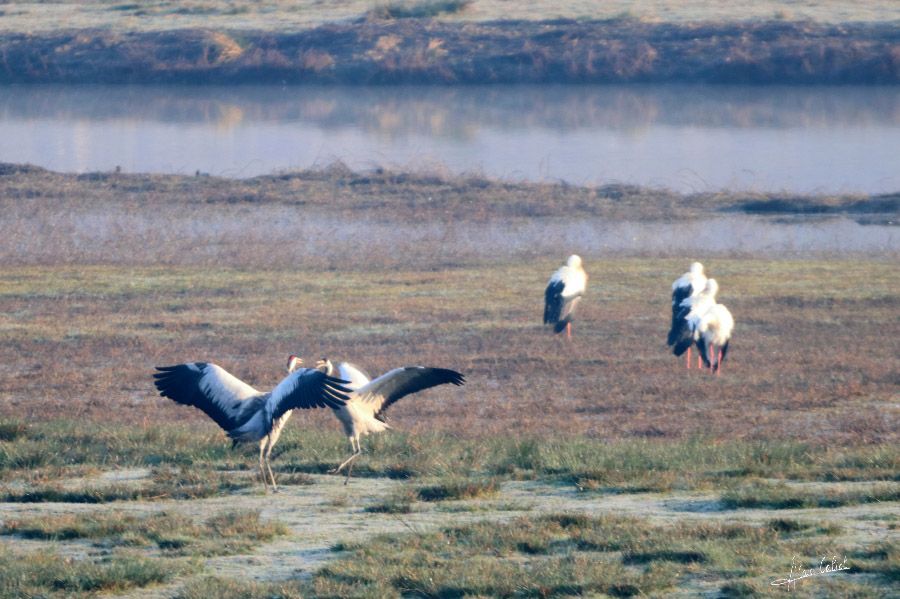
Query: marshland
pixel 596 466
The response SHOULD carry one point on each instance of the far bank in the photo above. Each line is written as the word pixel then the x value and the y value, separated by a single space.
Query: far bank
pixel 430 51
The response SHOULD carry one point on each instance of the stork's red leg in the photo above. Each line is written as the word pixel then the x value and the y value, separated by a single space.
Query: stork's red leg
pixel 711 355
pixel 689 358
pixel 719 363
pixel 568 330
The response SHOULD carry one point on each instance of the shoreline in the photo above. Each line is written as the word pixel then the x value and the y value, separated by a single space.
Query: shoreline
pixel 384 192
pixel 381 220
pixel 434 52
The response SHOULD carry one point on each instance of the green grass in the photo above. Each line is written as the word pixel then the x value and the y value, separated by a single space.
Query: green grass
pixel 10 431
pixel 417 9
pixel 184 465
pixel 459 489
pixel 781 496
pixel 225 588
pixel 563 555
pixel 165 483
pixel 175 534
pixel 46 574
pixel 536 556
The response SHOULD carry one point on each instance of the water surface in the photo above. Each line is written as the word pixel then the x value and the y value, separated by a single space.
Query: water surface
pixel 689 138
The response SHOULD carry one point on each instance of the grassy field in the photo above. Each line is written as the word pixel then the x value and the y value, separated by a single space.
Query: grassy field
pixel 600 466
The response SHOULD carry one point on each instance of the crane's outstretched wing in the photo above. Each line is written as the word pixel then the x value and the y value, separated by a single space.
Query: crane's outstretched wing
pixel 400 382
pixel 304 388
pixel 356 376
pixel 307 388
pixel 225 398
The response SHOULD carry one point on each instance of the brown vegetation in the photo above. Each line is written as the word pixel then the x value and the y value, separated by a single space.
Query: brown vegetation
pixel 387 195
pixel 814 356
pixel 378 51
pixel 105 275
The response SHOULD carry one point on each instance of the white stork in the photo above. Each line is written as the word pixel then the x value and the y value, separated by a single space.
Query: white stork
pixel 364 412
pixel 684 331
pixel 244 413
pixel 563 293
pixel 714 329
pixel 688 285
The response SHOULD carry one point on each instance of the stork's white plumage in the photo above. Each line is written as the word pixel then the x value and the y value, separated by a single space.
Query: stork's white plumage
pixel 714 329
pixel 246 414
pixel 688 285
pixel 364 412
pixel 563 293
pixel 684 327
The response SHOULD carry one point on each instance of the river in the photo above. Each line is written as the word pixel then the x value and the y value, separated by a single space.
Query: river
pixel 687 138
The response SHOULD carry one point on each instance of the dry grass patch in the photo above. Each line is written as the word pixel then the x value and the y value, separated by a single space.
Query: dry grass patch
pixel 802 352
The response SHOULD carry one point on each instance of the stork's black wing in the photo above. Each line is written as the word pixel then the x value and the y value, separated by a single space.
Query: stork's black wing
pixel 553 302
pixel 680 332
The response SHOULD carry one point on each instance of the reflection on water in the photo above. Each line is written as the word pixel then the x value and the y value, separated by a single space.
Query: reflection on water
pixel 686 137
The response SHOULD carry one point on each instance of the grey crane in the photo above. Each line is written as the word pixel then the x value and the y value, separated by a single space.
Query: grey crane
pixel 246 414
pixel 364 411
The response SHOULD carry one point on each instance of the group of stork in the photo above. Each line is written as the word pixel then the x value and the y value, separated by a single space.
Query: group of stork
pixel 248 415
pixel 697 318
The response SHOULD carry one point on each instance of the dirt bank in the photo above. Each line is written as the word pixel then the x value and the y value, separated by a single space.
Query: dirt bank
pixel 429 51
